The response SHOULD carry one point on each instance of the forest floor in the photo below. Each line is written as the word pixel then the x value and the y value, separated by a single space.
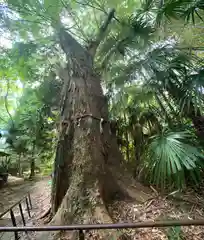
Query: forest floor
pixel 162 208
pixel 40 197
pixel 159 208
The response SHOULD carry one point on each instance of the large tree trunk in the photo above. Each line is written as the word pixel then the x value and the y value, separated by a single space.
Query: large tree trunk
pixel 87 170
pixel 87 173
pixel 86 153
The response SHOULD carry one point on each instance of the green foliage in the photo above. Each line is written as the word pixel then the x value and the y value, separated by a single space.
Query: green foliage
pixel 186 9
pixel 170 158
pixel 32 133
pixel 4 165
pixel 174 233
pixel 151 81
pixel 46 168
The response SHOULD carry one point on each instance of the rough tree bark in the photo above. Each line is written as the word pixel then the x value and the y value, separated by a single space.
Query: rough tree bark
pixel 87 173
pixel 19 165
pixel 32 162
pixel 32 168
pixel 138 138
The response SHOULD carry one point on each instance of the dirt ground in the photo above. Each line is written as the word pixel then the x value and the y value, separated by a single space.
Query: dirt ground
pixel 159 208
pixel 40 198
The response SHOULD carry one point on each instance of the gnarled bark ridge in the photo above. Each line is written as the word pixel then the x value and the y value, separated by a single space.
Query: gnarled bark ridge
pixel 87 167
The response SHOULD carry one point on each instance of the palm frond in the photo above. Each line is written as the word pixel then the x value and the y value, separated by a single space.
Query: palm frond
pixel 177 9
pixel 132 33
pixel 169 157
pixel 159 60
pixel 165 68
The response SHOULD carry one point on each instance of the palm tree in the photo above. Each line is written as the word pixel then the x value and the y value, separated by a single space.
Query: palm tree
pixel 175 82
pixel 88 159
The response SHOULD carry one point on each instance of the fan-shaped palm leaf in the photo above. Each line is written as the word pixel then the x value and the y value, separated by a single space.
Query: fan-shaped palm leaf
pixel 169 156
pixel 132 33
pixel 186 9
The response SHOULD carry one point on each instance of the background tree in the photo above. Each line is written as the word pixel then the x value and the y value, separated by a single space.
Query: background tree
pixel 125 50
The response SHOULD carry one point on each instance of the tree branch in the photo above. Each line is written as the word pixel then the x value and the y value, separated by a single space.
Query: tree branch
pixel 6 103
pixel 192 48
pixel 87 4
pixel 73 49
pixel 75 19
pixel 3 120
pixel 95 43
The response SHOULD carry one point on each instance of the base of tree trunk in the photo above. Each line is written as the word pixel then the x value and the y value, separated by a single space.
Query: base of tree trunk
pixel 95 180
pixel 86 205
pixel 45 214
pixel 88 174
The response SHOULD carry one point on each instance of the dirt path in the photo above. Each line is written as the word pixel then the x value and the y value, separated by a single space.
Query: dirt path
pixel 40 198
pixel 155 209
pixel 11 194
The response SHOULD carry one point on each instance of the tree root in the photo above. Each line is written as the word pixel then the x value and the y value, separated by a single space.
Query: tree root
pixel 98 216
pixel 72 212
pixel 137 192
pixel 48 219
pixel 45 214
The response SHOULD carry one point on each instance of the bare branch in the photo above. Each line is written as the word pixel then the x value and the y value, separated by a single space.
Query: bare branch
pixel 3 120
pixel 88 4
pixel 73 49
pixel 95 43
pixel 75 20
pixel 192 48
pixel 6 103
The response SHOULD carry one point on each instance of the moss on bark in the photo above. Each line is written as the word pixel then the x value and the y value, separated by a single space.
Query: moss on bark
pixel 88 174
